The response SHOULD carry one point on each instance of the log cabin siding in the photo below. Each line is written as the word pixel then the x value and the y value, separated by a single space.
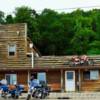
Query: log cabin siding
pixel 14 34
pixel 17 34
pixel 13 30
pixel 90 85
pixel 22 77
pixel 53 80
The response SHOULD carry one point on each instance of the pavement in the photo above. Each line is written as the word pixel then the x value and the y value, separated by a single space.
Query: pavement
pixel 66 96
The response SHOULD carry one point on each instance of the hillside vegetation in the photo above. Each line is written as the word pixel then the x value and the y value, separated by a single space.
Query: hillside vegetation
pixel 56 33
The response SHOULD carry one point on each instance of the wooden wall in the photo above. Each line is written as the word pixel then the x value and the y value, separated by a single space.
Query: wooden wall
pixel 91 85
pixel 21 76
pixel 14 34
pixel 54 80
pixel 2 75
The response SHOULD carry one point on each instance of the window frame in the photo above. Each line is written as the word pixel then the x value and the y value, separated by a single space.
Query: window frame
pixel 11 81
pixel 43 75
pixel 13 44
pixel 95 77
pixel 90 75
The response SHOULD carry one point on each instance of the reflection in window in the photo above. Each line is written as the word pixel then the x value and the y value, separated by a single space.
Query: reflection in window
pixel 11 78
pixel 41 76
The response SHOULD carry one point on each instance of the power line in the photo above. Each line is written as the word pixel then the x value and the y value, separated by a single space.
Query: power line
pixel 61 9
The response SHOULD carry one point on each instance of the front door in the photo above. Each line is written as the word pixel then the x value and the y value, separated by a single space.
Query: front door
pixel 70 80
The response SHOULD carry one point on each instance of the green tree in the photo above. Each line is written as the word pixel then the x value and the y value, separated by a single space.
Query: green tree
pixel 82 39
pixel 94 47
pixel 9 19
pixel 26 15
pixel 56 33
pixel 55 30
pixel 2 18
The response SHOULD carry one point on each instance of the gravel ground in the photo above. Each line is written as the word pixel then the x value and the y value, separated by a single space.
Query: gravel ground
pixel 66 96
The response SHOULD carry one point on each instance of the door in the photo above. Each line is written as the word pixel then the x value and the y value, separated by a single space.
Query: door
pixel 70 80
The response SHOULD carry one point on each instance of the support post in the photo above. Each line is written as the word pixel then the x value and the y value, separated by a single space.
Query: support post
pixel 62 81
pixel 28 78
pixel 79 80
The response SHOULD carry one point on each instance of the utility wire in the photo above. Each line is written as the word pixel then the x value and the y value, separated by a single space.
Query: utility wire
pixel 61 9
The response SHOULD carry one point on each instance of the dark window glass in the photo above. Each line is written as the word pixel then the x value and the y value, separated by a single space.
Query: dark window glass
pixel 86 75
pixel 69 75
pixel 12 50
pixel 35 75
pixel 11 53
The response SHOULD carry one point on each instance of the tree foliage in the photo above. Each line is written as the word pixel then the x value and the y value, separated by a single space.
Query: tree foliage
pixel 56 33
pixel 2 21
pixel 9 19
pixel 26 15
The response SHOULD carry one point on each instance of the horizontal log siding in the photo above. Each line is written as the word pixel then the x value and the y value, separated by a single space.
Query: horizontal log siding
pixel 91 85
pixel 22 77
pixel 53 79
pixel 9 35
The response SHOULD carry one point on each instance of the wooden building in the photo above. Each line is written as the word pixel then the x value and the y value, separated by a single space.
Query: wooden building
pixel 19 59
pixel 16 53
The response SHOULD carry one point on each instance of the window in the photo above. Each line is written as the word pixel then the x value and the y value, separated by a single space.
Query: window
pixel 35 75
pixel 94 74
pixel 11 78
pixel 41 76
pixel 91 75
pixel 86 75
pixel 69 75
pixel 12 50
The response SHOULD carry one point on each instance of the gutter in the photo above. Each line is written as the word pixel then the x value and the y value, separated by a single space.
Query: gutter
pixel 32 58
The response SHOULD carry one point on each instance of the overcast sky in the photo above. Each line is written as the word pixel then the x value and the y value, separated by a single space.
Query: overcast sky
pixel 8 6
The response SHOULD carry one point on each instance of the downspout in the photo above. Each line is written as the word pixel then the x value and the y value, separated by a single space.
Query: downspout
pixel 32 55
pixel 32 59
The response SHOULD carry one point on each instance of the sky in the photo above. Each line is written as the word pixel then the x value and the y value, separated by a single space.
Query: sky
pixel 8 6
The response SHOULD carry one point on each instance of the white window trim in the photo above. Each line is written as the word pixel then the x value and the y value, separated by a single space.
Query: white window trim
pixel 15 49
pixel 10 76
pixel 43 73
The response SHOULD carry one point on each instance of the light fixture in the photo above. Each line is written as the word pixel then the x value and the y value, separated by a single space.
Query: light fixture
pixel 31 45
pixel 18 32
